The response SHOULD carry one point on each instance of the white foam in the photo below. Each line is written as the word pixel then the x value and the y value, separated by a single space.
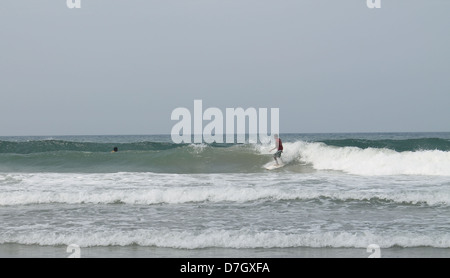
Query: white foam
pixel 370 161
pixel 198 148
pixel 244 238
pixel 149 188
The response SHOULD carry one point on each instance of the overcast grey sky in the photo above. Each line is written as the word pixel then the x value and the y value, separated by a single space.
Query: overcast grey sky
pixel 122 66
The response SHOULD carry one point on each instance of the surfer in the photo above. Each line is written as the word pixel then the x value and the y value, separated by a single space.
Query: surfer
pixel 278 147
pixel 115 150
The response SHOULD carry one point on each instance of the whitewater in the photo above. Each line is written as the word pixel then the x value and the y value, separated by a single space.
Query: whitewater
pixel 337 194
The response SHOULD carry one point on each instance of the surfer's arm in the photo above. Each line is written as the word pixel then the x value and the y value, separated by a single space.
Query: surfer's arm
pixel 276 146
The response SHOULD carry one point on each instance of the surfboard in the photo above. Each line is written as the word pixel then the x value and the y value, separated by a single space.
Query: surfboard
pixel 273 166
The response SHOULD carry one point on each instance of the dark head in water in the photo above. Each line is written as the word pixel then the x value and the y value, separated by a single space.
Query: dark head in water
pixel 115 150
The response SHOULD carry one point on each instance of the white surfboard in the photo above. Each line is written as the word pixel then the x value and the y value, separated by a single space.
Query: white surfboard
pixel 273 166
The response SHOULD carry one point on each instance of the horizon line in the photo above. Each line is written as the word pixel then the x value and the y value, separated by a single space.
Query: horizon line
pixel 285 133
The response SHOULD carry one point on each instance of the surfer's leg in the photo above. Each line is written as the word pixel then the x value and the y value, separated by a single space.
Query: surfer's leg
pixel 275 157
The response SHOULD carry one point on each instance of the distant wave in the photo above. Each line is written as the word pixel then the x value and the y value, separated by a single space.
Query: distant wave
pixel 419 144
pixel 45 146
pixel 52 145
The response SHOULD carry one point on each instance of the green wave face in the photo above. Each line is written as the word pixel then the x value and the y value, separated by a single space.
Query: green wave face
pixel 62 156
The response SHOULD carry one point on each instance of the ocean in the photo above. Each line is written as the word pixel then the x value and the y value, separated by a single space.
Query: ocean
pixel 338 195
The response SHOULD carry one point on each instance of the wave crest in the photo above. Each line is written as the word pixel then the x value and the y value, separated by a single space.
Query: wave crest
pixel 373 161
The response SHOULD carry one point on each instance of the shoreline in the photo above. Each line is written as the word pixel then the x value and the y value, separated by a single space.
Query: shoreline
pixel 13 250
